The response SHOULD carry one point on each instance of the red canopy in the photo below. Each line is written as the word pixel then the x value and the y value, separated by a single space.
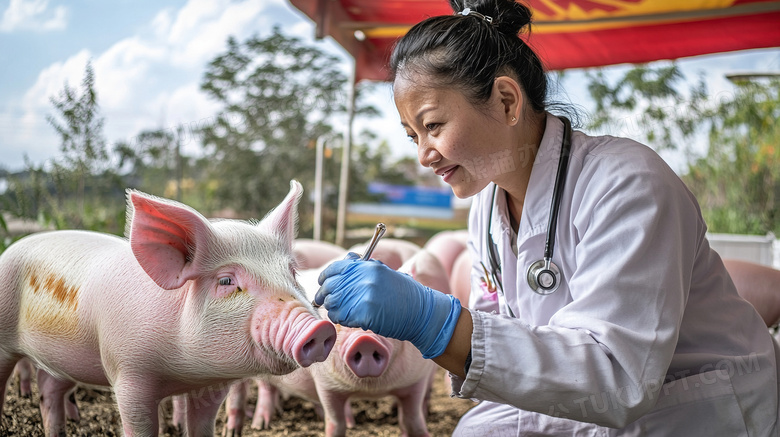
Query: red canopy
pixel 566 33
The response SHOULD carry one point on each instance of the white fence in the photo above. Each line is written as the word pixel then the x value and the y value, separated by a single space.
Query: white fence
pixel 754 248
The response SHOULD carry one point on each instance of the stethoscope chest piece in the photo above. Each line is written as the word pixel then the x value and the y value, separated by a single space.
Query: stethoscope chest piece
pixel 543 277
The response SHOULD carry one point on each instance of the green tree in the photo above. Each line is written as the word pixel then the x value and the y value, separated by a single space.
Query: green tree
pixel 80 189
pixel 80 126
pixel 737 180
pixel 648 101
pixel 154 162
pixel 278 96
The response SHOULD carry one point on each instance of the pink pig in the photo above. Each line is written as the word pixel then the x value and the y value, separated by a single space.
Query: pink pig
pixel 460 278
pixel 362 365
pixel 184 306
pixel 757 284
pixel 310 254
pixel 393 252
pixel 447 246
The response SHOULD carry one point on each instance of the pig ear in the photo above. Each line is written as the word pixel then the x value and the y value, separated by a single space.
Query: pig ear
pixel 283 219
pixel 164 236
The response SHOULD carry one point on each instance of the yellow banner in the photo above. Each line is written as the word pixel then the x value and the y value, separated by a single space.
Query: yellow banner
pixel 564 16
pixel 576 10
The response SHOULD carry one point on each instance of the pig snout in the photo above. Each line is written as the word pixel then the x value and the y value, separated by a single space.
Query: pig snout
pixel 315 343
pixel 295 332
pixel 366 356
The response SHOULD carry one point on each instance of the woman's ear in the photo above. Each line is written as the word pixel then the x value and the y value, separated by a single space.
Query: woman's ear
pixel 511 98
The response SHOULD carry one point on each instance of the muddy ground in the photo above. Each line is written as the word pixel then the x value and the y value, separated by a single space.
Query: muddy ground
pixel 99 416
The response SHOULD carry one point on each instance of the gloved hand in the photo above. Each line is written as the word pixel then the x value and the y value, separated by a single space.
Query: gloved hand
pixel 370 295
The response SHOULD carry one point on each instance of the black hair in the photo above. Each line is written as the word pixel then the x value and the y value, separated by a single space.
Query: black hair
pixel 470 51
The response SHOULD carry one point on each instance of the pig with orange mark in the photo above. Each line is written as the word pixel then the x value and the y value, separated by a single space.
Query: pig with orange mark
pixel 184 305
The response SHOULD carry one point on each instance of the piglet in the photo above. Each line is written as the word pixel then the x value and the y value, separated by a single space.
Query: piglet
pixel 184 305
pixel 362 365
pixel 447 246
pixel 310 254
pixel 393 252
pixel 759 285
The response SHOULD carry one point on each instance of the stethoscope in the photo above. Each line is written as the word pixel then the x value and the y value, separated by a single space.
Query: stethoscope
pixel 543 276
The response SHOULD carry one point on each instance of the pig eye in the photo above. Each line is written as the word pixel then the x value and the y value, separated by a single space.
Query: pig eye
pixel 225 281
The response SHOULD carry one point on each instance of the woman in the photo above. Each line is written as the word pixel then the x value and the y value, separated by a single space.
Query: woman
pixel 633 327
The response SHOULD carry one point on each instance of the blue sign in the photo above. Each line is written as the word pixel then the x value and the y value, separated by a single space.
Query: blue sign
pixel 438 197
pixel 406 201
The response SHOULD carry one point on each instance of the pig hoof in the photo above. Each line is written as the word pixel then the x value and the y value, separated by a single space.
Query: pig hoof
pixel 260 423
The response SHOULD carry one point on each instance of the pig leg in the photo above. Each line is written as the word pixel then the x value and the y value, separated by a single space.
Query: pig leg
pixel 71 408
pixel 23 370
pixel 349 418
pixel 54 394
pixel 179 412
pixel 6 369
pixel 138 408
pixel 333 404
pixel 268 404
pixel 235 407
pixel 162 408
pixel 202 410
pixel 411 406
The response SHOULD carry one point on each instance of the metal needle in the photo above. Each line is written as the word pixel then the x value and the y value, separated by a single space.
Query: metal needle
pixel 378 232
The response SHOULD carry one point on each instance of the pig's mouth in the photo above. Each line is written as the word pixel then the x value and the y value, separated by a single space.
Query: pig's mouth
pixel 276 362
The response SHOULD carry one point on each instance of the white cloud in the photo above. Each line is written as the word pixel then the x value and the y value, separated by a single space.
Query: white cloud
pixel 24 127
pixel 124 68
pixel 33 15
pixel 201 28
pixel 52 78
pixel 145 81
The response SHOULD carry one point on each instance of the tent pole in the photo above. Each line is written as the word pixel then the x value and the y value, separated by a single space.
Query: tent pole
pixel 318 189
pixel 345 161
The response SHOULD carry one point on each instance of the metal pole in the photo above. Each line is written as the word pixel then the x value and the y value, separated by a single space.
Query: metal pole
pixel 344 180
pixel 179 166
pixel 318 189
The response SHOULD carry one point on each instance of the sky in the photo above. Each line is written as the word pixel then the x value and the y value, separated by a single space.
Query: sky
pixel 149 57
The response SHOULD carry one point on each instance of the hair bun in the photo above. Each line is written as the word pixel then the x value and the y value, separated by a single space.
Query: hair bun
pixel 509 16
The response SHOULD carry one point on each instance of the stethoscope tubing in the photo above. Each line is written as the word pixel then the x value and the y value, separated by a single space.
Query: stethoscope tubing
pixel 560 183
pixel 546 264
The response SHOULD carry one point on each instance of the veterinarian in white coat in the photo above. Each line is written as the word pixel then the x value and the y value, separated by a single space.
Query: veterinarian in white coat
pixel 645 336
pixel 604 310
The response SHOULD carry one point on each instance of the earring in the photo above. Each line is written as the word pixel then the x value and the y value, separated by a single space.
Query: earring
pixel 514 119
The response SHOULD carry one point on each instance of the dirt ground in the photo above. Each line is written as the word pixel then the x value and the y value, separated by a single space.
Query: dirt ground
pixel 99 416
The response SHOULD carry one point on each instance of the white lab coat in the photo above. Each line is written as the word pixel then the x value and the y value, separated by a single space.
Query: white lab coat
pixel 646 335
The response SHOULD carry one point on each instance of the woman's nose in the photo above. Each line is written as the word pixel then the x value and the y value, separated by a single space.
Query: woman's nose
pixel 427 154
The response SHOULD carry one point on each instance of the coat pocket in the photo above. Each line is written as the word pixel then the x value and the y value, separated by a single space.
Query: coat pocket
pixel 699 405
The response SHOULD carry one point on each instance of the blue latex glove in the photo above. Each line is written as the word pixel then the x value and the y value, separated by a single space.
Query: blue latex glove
pixel 372 296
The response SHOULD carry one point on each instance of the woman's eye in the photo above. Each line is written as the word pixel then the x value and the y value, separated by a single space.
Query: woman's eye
pixel 431 126
pixel 412 138
pixel 225 281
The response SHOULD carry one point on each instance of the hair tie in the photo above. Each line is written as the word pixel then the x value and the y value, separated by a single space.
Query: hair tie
pixel 468 11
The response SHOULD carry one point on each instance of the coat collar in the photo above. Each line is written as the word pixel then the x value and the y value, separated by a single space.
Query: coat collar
pixel 538 198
